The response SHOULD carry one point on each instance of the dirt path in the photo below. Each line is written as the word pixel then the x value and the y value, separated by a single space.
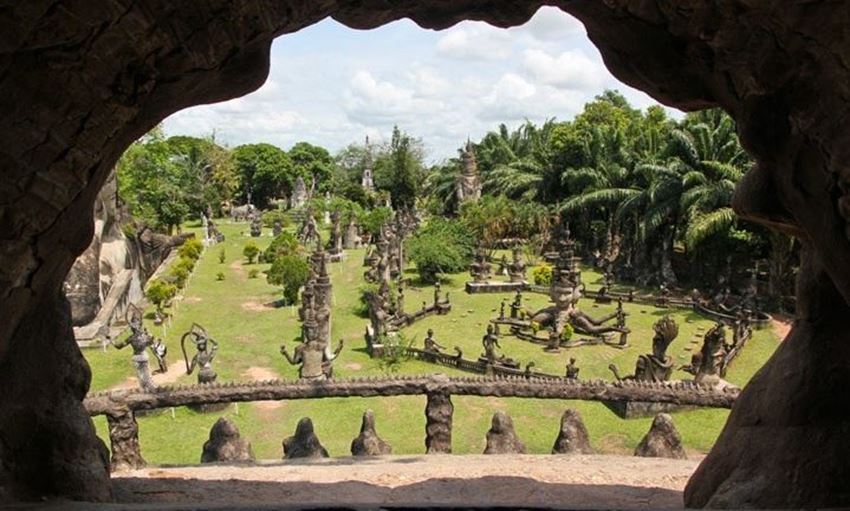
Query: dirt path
pixel 176 369
pixel 782 325
pixel 262 374
pixel 573 482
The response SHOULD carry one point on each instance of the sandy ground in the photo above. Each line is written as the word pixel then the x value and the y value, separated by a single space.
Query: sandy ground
pixel 434 480
pixel 782 325
pixel 176 368
pixel 263 374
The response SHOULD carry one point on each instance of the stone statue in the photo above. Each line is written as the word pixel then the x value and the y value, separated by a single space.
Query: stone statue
pixel 490 341
pixel 368 443
pixel 708 365
pixel 431 344
pixel 516 305
pixel 140 340
pixel 480 267
pixel 502 310
pixel 502 439
pixel 277 228
pixel 572 370
pixel 516 269
pixel 366 180
pixel 657 366
pixel 256 226
pixel 225 444
pixel 206 349
pixel 160 351
pixel 468 186
pixel 304 443
pixel 335 243
pixel 309 231
pixel 299 193
pixel 316 359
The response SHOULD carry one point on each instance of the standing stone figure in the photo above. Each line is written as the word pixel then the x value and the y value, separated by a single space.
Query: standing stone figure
pixel 206 349
pixel 140 340
pixel 316 359
pixel 160 351
pixel 277 228
pixel 490 341
pixel 516 305
pixel 707 366
pixel 468 186
pixel 516 269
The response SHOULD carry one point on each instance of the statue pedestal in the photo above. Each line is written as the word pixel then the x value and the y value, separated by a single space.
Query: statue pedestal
pixel 635 409
pixel 494 287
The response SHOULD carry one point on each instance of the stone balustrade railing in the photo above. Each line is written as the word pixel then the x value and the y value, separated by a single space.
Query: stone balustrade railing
pixel 120 406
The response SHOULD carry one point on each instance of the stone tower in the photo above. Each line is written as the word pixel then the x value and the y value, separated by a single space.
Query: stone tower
pixel 366 181
pixel 299 193
pixel 469 182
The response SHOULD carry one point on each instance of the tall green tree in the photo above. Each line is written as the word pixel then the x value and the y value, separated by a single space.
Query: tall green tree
pixel 265 171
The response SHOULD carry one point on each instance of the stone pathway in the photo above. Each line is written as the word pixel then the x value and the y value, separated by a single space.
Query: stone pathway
pixel 601 482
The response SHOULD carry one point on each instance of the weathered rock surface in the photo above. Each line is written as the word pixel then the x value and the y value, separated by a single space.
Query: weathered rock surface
pixel 779 68
pixel 225 444
pixel 572 437
pixel 502 439
pixel 304 443
pixel 368 443
pixel 438 423
pixel 662 440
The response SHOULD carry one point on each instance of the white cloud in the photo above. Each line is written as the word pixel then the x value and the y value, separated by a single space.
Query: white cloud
pixel 369 101
pixel 475 41
pixel 551 24
pixel 569 70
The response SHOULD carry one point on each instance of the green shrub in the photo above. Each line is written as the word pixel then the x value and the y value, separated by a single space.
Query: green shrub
pixel 365 293
pixel 222 255
pixel 159 293
pixel 290 271
pixel 186 263
pixel 269 218
pixel 441 246
pixel 253 273
pixel 284 244
pixel 219 275
pixel 542 274
pixel 567 333
pixel 395 352
pixel 178 275
pixel 250 251
pixel 191 249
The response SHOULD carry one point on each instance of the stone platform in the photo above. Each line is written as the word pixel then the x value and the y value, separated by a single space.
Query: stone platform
pixel 494 287
pixel 530 481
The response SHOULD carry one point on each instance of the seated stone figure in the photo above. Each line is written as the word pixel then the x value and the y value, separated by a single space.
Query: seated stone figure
pixel 708 366
pixel 656 366
pixel 431 344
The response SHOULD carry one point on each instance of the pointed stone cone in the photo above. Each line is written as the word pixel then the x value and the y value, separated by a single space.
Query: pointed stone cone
pixel 662 440
pixel 368 443
pixel 304 443
pixel 225 444
pixel 502 439
pixel 572 438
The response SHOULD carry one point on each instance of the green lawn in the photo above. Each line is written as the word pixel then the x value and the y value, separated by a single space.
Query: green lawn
pixel 240 313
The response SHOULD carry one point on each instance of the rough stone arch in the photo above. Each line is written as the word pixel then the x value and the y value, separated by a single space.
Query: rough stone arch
pixel 80 80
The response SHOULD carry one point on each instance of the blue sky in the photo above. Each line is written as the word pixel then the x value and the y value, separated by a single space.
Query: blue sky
pixel 331 85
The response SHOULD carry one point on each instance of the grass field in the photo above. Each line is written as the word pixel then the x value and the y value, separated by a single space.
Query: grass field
pixel 240 313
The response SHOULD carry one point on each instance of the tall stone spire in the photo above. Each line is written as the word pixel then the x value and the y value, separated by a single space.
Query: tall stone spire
pixel 366 180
